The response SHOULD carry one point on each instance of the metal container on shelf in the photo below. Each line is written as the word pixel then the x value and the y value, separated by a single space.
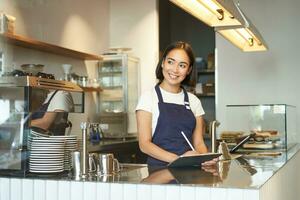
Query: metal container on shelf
pixel 119 79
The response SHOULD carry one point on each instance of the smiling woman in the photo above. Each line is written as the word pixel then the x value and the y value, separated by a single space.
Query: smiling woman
pixel 168 109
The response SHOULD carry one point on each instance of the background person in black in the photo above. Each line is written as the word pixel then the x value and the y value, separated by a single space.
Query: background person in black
pixel 52 115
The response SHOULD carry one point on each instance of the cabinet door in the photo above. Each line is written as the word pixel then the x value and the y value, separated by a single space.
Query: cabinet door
pixel 111 73
pixel 111 77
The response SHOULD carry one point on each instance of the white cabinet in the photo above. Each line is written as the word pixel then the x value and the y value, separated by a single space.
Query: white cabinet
pixel 118 76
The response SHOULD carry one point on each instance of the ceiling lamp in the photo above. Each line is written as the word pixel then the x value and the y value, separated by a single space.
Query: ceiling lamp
pixel 214 13
pixel 228 20
pixel 246 36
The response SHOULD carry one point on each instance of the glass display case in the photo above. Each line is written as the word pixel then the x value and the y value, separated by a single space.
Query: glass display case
pixel 118 77
pixel 20 99
pixel 275 125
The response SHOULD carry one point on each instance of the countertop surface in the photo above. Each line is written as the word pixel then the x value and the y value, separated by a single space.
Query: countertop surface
pixel 246 172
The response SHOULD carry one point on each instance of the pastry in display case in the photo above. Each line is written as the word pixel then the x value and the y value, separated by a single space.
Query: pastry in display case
pixel 118 77
pixel 273 125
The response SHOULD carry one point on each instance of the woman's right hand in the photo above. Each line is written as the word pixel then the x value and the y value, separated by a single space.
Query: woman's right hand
pixel 191 153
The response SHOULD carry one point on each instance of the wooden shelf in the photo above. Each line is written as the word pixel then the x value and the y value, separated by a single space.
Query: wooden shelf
pixel 206 71
pixel 22 41
pixel 92 89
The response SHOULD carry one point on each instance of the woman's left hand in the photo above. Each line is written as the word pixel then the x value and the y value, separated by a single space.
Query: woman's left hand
pixel 211 168
pixel 211 162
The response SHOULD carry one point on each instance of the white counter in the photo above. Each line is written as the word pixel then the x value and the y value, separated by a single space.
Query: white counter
pixel 274 181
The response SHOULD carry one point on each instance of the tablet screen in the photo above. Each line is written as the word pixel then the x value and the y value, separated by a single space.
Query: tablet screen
pixel 194 160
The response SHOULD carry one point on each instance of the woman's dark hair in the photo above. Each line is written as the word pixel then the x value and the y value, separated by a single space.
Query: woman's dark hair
pixel 189 51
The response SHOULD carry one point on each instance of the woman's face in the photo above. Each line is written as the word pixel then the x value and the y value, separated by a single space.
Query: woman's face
pixel 175 67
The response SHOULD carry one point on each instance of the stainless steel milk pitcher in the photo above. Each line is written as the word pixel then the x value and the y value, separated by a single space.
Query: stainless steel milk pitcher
pixel 108 165
pixel 92 160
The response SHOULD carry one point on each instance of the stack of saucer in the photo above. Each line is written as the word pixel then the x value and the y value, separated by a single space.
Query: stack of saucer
pixel 34 134
pixel 70 146
pixel 46 155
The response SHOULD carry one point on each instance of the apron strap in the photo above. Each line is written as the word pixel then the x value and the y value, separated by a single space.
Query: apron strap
pixel 159 95
pixel 160 98
pixel 48 102
pixel 186 97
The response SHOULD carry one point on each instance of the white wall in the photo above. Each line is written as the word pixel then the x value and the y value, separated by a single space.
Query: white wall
pixel 73 24
pixel 262 77
pixel 134 24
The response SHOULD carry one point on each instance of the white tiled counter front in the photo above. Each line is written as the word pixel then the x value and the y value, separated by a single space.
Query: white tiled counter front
pixel 265 179
pixel 29 189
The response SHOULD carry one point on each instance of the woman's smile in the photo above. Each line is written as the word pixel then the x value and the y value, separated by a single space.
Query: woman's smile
pixel 173 76
pixel 175 68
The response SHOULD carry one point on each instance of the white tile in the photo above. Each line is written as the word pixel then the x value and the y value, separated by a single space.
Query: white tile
pixel 16 189
pixel 158 192
pixel 234 194
pixel 39 189
pixel 103 191
pixel 187 192
pixel 173 192
pixel 218 193
pixel 116 191
pixel 4 188
pixel 130 192
pixel 202 193
pixel 76 190
pixel 51 190
pixel 251 194
pixel 64 190
pixel 27 189
pixel 89 191
pixel 143 192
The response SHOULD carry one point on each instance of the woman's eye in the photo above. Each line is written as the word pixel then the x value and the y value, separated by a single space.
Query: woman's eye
pixel 182 65
pixel 170 62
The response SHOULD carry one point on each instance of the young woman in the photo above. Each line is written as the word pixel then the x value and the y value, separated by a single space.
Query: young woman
pixel 167 110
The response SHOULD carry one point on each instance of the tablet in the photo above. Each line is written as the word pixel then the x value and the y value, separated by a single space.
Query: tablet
pixel 193 160
pixel 193 175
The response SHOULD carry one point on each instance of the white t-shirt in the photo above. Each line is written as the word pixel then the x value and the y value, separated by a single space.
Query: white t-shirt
pixel 62 100
pixel 149 102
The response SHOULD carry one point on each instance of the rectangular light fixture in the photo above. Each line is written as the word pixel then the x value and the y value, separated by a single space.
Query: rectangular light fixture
pixel 228 20
pixel 214 13
pixel 246 37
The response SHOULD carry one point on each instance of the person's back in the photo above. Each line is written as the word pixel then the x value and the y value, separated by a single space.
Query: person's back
pixel 53 113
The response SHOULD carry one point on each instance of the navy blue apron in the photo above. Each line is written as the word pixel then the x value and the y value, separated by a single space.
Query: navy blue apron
pixel 55 128
pixel 172 119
